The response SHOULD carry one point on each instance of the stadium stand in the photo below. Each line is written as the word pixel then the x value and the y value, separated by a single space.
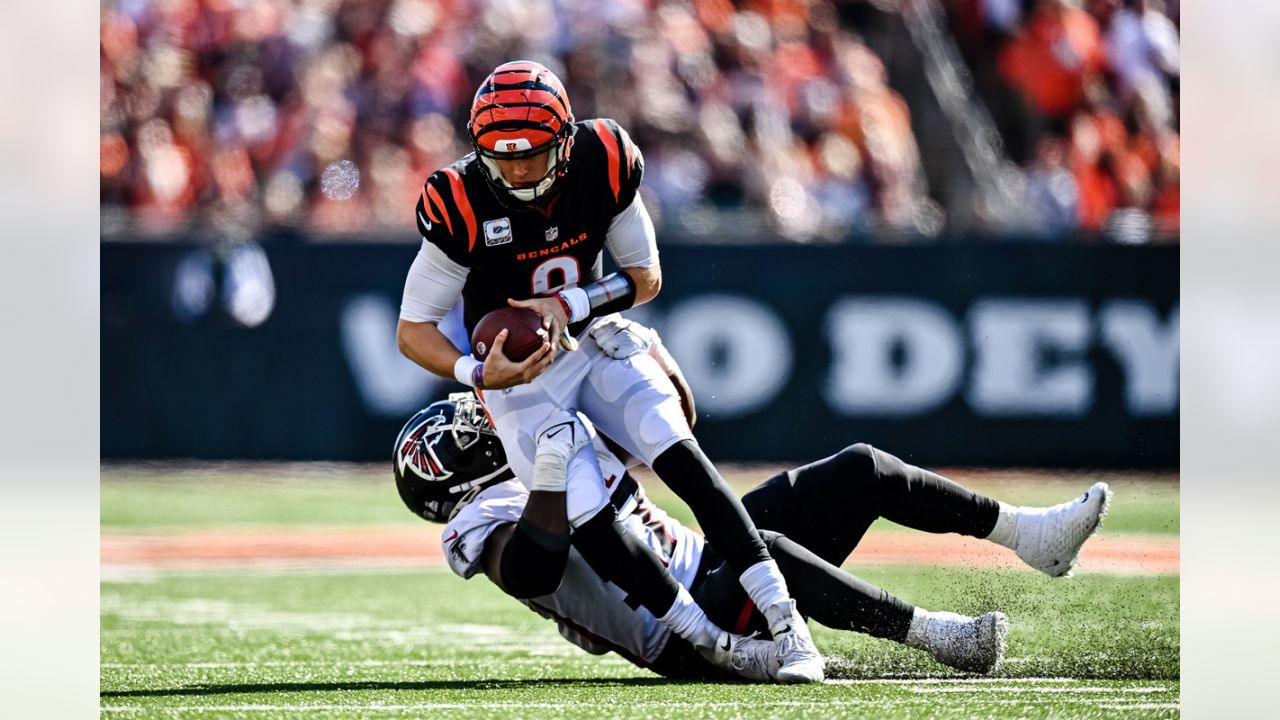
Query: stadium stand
pixel 801 120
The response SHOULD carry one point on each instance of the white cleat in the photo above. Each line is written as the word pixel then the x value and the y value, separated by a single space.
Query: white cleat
pixel 747 657
pixel 1049 539
pixel 796 657
pixel 972 644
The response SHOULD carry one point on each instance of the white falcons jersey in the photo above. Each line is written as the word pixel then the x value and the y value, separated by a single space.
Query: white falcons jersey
pixel 590 613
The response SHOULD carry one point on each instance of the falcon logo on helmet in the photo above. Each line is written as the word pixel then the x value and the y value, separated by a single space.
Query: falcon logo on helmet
pixel 445 451
pixel 521 111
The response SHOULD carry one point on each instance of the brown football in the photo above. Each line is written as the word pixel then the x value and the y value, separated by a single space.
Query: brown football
pixel 525 333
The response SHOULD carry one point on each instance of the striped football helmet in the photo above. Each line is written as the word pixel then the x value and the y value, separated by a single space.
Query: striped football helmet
pixel 521 110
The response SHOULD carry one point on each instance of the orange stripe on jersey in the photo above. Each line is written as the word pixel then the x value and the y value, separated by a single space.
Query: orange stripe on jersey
pixel 435 198
pixel 485 410
pixel 610 147
pixel 464 205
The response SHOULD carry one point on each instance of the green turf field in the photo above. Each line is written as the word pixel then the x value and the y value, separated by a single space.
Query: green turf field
pixel 407 643
pixel 344 494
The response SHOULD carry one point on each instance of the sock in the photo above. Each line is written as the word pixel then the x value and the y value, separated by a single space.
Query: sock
pixel 765 585
pixel 836 598
pixel 686 619
pixel 1006 530
pixel 918 632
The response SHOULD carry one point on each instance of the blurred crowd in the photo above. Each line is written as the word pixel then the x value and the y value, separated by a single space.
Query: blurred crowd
pixel 1085 93
pixel 222 115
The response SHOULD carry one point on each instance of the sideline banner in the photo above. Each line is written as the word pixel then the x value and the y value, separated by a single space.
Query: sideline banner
pixel 966 354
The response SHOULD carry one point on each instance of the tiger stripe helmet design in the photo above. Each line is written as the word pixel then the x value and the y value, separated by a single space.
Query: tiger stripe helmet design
pixel 521 110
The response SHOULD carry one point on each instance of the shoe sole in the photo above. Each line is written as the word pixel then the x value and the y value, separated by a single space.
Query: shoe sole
pixel 993 629
pixel 1097 525
pixel 991 633
pixel 800 678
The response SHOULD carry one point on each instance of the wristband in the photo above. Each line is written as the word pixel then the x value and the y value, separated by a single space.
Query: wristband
pixel 576 303
pixel 469 371
pixel 610 294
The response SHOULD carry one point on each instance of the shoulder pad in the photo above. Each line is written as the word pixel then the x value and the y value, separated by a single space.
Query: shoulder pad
pixel 444 214
pixel 625 164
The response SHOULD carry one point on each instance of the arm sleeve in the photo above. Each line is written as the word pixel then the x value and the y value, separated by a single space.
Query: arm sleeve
pixel 631 239
pixel 533 561
pixel 433 285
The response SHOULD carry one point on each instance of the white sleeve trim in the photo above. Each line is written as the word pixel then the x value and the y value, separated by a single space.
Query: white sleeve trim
pixel 631 239
pixel 433 285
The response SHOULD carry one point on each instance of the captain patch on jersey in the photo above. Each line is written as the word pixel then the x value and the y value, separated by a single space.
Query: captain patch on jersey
pixel 497 232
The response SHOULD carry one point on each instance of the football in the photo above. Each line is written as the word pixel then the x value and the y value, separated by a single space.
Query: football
pixel 525 333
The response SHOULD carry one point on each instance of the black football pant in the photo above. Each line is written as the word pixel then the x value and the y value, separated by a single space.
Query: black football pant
pixel 619 557
pixel 723 517
pixel 812 518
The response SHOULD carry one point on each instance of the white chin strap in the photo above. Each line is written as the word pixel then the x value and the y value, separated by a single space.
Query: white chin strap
pixel 524 194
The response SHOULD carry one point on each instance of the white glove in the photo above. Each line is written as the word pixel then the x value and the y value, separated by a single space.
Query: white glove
pixel 622 338
pixel 558 440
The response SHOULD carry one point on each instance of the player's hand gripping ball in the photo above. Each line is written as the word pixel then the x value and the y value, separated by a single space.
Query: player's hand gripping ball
pixel 525 333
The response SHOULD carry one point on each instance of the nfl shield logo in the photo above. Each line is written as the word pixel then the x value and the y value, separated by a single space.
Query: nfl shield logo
pixel 552 233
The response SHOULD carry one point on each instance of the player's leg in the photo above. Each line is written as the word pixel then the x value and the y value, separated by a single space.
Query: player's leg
pixel 827 506
pixel 518 413
pixel 566 460
pixel 634 403
pixel 621 558
pixel 843 601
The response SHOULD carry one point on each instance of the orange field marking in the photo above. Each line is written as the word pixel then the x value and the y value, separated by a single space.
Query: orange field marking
pixel 319 546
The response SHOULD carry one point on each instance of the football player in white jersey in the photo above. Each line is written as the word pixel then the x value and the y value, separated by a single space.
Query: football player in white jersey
pixel 450 467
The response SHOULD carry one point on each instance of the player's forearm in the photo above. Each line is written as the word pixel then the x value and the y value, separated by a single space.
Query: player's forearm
pixel 648 282
pixel 424 344
pixel 546 511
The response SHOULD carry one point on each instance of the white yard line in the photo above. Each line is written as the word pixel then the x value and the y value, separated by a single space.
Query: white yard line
pixel 957 681
pixel 754 703
pixel 1015 689
pixel 292 664
pixel 495 706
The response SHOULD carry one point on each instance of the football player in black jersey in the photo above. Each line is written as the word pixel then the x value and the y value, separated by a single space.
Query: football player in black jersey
pixel 523 221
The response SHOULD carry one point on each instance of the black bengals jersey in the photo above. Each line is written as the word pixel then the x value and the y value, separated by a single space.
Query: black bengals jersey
pixel 521 254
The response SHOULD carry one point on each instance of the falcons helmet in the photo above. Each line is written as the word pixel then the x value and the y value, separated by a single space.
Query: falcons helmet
pixel 447 450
